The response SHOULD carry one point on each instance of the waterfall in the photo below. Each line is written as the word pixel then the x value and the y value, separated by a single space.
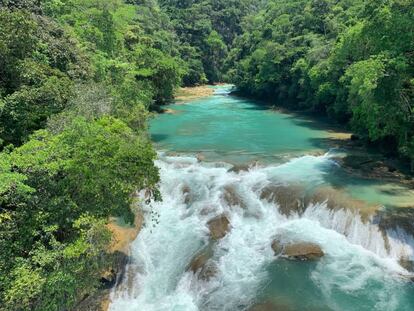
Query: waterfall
pixel 360 260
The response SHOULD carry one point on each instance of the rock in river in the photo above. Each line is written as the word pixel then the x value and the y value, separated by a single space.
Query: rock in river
pixel 201 263
pixel 298 251
pixel 219 226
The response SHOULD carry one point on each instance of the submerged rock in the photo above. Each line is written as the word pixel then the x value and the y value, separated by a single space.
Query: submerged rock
pixel 239 168
pixel 170 111
pixel 407 264
pixel 201 263
pixel 208 272
pixel 338 200
pixel 372 166
pixel 219 226
pixel 288 198
pixel 187 194
pixel 232 198
pixel 298 251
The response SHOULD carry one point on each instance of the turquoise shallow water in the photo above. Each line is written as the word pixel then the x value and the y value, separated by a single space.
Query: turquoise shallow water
pixel 229 128
pixel 239 131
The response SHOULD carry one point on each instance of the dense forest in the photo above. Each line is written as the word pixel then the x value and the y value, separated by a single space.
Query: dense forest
pixel 206 30
pixel 351 59
pixel 79 78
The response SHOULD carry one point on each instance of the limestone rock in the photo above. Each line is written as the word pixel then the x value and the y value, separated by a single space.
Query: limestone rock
pixel 232 198
pixel 219 226
pixel 277 247
pixel 407 264
pixel 239 168
pixel 201 263
pixel 108 279
pixel 298 251
pixel 187 194
pixel 288 198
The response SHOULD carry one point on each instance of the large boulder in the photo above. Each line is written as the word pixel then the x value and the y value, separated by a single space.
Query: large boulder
pixel 298 251
pixel 219 226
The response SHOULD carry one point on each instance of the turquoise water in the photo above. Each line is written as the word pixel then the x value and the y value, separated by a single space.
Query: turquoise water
pixel 228 128
pixel 237 130
pixel 199 147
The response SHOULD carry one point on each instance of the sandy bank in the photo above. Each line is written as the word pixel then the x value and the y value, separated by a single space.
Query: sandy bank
pixel 192 93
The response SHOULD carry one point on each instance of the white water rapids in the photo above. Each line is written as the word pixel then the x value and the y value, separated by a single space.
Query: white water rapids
pixel 359 271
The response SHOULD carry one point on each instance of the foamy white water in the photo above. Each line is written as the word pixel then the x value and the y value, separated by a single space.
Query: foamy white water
pixel 359 263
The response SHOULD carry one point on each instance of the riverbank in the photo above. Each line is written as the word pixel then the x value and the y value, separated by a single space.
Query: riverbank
pixel 122 235
pixel 188 94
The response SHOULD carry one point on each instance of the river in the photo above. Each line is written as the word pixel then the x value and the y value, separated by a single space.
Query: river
pixel 274 177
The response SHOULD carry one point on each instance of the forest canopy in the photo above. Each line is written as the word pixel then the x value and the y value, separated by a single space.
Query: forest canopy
pixel 78 79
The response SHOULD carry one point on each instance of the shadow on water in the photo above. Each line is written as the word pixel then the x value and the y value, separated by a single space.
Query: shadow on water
pixel 159 137
pixel 338 178
pixel 327 142
pixel 309 120
pixel 256 107
pixel 313 121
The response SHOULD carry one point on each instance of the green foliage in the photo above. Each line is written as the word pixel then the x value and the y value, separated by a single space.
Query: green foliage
pixel 128 45
pixel 57 192
pixel 350 59
pixel 206 30
pixel 86 72
pixel 37 62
